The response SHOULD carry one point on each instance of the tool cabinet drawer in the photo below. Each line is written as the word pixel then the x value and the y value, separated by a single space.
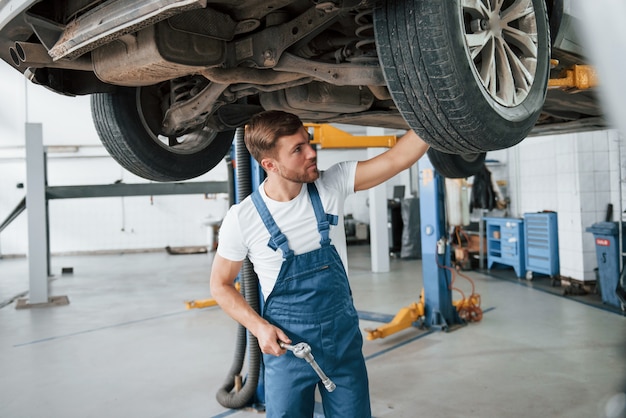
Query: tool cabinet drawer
pixel 542 243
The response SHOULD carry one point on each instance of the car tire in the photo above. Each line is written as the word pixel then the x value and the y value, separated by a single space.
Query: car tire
pixel 127 122
pixel 438 87
pixel 456 166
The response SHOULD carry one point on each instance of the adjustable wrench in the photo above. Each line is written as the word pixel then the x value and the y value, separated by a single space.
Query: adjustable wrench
pixel 303 350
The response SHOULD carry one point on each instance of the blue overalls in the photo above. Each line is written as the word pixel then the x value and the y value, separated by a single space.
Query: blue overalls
pixel 312 302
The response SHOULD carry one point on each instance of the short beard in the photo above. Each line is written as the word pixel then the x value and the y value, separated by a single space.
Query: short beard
pixel 301 177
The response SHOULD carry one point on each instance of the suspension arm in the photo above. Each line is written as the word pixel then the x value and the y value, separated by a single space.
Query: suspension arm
pixel 194 111
pixel 264 49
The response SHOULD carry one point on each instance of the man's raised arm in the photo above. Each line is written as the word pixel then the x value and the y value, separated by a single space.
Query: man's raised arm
pixel 408 149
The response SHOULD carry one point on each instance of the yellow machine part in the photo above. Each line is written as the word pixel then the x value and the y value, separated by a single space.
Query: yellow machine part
pixel 468 309
pixel 577 77
pixel 327 136
pixel 403 320
pixel 200 303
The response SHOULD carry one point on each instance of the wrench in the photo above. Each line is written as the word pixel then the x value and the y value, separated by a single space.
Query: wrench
pixel 303 350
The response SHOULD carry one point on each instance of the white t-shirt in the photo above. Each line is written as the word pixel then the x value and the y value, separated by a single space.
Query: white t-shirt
pixel 243 233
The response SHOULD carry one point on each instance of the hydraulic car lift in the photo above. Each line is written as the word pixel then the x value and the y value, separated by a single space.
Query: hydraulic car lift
pixel 435 308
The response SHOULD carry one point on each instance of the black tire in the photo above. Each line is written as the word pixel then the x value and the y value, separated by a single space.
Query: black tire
pixel 456 166
pixel 436 85
pixel 127 123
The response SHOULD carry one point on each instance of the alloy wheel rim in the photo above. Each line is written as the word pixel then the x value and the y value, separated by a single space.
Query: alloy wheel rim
pixel 502 44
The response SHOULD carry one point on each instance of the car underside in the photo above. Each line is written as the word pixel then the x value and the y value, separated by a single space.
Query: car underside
pixel 171 80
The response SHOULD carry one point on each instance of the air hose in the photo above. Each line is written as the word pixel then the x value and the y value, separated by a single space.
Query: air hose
pixel 468 308
pixel 242 395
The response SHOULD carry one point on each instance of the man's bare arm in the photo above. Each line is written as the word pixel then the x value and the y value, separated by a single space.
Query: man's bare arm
pixel 223 274
pixel 409 148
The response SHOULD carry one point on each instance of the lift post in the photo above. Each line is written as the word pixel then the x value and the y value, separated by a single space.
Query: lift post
pixel 435 308
pixel 440 311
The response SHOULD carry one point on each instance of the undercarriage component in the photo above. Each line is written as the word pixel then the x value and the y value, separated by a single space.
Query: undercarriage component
pixel 192 112
pixel 264 49
pixel 34 55
pixel 155 54
pixel 113 19
pixel 319 98
pixel 344 74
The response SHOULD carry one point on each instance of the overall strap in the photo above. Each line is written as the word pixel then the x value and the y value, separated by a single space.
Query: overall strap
pixel 277 238
pixel 324 220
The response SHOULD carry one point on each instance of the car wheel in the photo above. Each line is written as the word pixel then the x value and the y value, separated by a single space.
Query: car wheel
pixel 456 166
pixel 467 78
pixel 128 124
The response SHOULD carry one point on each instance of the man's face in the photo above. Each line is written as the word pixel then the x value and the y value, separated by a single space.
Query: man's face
pixel 296 159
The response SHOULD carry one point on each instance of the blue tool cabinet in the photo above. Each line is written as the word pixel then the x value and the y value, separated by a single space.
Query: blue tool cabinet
pixel 542 243
pixel 505 243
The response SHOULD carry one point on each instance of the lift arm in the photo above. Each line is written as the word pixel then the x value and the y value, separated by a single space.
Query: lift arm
pixel 405 318
pixel 327 136
pixel 579 77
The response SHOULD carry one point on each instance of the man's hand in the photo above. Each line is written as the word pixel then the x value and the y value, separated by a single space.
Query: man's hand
pixel 268 337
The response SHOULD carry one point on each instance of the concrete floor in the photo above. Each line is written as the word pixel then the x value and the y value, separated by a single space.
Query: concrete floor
pixel 126 346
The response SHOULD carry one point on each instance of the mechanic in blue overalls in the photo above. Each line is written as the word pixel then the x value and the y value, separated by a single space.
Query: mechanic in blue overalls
pixel 291 229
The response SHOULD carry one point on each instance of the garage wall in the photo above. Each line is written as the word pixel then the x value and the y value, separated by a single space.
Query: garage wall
pixel 577 175
pixel 76 157
pixel 112 223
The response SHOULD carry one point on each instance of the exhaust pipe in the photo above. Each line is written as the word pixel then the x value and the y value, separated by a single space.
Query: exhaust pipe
pixel 33 55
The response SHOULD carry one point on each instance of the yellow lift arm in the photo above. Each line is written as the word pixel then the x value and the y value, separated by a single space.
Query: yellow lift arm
pixel 327 136
pixel 404 319
pixel 579 77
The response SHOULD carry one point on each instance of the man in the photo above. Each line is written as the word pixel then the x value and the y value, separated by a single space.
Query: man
pixel 291 230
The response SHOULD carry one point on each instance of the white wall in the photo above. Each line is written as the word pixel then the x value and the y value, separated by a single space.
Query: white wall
pixel 576 175
pixel 94 224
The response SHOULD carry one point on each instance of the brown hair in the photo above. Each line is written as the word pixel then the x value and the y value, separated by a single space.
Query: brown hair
pixel 264 129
